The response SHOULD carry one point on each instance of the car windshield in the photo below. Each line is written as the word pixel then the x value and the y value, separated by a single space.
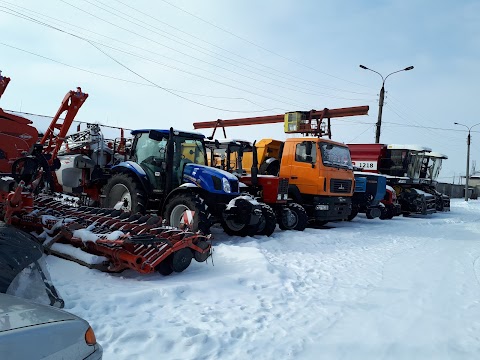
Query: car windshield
pixel 335 155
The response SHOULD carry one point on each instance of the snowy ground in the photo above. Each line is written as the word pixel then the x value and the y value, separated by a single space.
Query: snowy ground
pixel 370 289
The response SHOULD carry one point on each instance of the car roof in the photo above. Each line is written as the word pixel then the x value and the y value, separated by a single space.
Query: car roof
pixel 21 313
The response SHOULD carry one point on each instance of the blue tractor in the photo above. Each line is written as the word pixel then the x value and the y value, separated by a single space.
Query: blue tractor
pixel 166 171
pixel 369 191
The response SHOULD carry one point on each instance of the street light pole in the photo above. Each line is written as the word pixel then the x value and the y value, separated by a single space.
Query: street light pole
pixel 467 174
pixel 382 98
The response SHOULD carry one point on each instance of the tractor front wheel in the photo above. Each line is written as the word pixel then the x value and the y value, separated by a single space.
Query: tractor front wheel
pixel 293 217
pixel 268 221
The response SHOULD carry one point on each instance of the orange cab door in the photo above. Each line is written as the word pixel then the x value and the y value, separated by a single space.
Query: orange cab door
pixel 303 167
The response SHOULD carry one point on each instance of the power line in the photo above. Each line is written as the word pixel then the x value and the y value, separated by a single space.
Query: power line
pixel 259 46
pixel 129 81
pixel 154 61
pixel 296 89
pixel 297 79
pixel 76 121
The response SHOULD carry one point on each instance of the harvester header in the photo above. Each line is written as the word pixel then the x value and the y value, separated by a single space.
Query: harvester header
pixel 303 122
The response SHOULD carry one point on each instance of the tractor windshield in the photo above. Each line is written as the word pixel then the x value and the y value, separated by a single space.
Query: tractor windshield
pixel 415 165
pixel 434 169
pixel 189 150
pixel 335 155
pixel 148 150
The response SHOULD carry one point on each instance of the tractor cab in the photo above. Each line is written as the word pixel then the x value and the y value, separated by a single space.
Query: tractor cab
pixel 228 154
pixel 163 156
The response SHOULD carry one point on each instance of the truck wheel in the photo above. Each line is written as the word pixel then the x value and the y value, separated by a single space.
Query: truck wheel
pixel 268 221
pixel 353 214
pixel 122 192
pixel 294 218
pixel 177 205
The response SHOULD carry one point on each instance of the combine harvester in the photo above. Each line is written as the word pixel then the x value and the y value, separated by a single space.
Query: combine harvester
pixel 402 165
pixel 319 170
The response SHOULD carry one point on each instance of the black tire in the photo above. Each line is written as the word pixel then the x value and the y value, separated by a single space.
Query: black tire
pixel 188 201
pixel 234 229
pixel 295 218
pixel 165 267
pixel 123 189
pixel 387 214
pixel 268 221
pixel 201 257
pixel 369 215
pixel 181 259
pixel 353 214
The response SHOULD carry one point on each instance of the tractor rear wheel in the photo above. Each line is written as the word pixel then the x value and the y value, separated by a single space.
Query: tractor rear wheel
pixel 268 221
pixel 293 217
pixel 177 207
pixel 122 192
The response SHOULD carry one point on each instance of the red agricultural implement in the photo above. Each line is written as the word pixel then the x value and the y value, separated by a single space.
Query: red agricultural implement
pixel 126 240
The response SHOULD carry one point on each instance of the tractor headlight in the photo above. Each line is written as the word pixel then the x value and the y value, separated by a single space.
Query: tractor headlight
pixel 226 185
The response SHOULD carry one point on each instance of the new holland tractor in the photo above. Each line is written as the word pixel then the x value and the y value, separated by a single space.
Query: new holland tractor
pixel 166 171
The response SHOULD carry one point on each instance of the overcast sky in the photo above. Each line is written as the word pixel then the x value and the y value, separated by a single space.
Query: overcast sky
pixel 154 64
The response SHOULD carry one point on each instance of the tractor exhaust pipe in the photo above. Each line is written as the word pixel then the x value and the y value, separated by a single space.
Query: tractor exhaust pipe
pixel 254 169
pixel 170 151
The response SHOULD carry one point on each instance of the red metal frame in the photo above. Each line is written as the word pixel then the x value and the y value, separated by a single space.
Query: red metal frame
pixel 306 128
pixel 71 103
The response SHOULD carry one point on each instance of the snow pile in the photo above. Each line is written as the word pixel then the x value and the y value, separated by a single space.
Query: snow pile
pixel 248 198
pixel 405 288
pixel 79 254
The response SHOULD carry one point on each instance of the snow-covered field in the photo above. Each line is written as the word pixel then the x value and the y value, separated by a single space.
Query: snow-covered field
pixel 407 288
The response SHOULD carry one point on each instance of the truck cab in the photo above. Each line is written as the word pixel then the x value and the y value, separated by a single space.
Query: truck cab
pixel 320 174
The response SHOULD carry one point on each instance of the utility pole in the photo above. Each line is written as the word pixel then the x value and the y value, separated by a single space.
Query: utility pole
pixel 467 174
pixel 382 98
pixel 468 166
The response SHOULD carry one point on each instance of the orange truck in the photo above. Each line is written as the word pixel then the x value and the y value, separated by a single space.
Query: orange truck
pixel 319 170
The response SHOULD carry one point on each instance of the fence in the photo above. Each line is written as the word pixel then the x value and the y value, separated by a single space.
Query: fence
pixel 453 190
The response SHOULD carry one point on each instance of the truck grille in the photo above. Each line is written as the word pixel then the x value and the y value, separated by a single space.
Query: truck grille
pixel 340 186
pixel 283 186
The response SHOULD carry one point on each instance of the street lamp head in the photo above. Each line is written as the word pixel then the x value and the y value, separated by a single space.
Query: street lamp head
pixel 408 68
pixel 456 123
pixel 363 67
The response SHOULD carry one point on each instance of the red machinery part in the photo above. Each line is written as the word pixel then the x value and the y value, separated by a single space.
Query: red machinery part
pixel 3 83
pixel 71 103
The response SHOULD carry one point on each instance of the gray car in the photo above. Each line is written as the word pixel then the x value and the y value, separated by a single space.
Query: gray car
pixel 33 331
